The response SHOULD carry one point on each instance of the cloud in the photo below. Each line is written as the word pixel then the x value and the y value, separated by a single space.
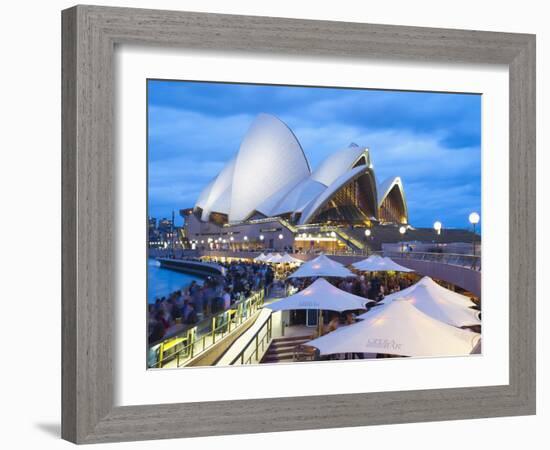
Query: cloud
pixel 431 140
pixel 173 132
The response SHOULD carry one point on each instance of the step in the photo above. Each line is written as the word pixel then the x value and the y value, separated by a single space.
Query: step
pixel 279 354
pixel 292 339
pixel 275 359
pixel 279 357
pixel 284 347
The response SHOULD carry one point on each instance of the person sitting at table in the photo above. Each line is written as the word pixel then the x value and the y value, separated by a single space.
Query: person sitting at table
pixel 334 323
pixel 350 318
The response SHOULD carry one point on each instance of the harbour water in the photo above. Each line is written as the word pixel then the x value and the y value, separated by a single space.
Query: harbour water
pixel 161 282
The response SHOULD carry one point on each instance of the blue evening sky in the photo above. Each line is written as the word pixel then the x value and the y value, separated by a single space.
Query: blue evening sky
pixel 431 140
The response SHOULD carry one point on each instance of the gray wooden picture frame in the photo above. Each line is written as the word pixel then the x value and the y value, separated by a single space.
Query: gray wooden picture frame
pixel 90 34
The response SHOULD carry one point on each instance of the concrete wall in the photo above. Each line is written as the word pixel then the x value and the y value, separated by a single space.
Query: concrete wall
pixel 460 276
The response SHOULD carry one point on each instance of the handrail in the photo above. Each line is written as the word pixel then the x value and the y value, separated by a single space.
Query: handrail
pixel 222 323
pixel 268 327
pixel 282 221
pixel 473 262
pixel 457 259
pixel 348 238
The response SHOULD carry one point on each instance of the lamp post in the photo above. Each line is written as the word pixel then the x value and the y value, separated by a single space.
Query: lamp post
pixel 368 234
pixel 474 220
pixel 333 242
pixel 437 227
pixel 402 231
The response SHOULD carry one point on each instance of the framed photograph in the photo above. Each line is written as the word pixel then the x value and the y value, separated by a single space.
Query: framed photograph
pixel 278 224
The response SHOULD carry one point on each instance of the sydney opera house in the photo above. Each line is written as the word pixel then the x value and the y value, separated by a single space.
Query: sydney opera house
pixel 268 195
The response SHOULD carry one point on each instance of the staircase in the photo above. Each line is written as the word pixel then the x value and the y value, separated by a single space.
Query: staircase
pixel 349 240
pixel 283 349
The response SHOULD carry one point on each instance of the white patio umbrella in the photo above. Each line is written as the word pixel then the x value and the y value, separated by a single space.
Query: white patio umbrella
pixel 274 258
pixel 398 329
pixel 377 263
pixel 320 295
pixel 437 302
pixel 260 258
pixel 322 266
pixel 286 258
pixel 430 287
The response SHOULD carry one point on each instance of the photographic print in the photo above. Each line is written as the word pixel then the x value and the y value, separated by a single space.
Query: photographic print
pixel 296 224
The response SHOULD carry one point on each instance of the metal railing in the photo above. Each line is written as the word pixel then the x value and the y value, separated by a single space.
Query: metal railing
pixel 285 223
pixel 472 262
pixel 254 344
pixel 181 348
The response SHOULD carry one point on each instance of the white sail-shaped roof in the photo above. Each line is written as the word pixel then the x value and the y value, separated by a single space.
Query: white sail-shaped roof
pixel 387 185
pixel 222 202
pixel 270 204
pixel 338 163
pixel 269 158
pixel 270 175
pixel 299 198
pixel 216 197
pixel 292 199
pixel 202 201
pixel 319 202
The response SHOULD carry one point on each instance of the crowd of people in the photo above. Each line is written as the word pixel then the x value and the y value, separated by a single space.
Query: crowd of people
pixel 373 288
pixel 215 294
pixel 197 301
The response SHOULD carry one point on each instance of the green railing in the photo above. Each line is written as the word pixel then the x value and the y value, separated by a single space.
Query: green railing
pixel 179 349
pixel 257 343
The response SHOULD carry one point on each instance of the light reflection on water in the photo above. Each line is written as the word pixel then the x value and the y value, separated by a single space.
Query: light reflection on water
pixel 161 282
